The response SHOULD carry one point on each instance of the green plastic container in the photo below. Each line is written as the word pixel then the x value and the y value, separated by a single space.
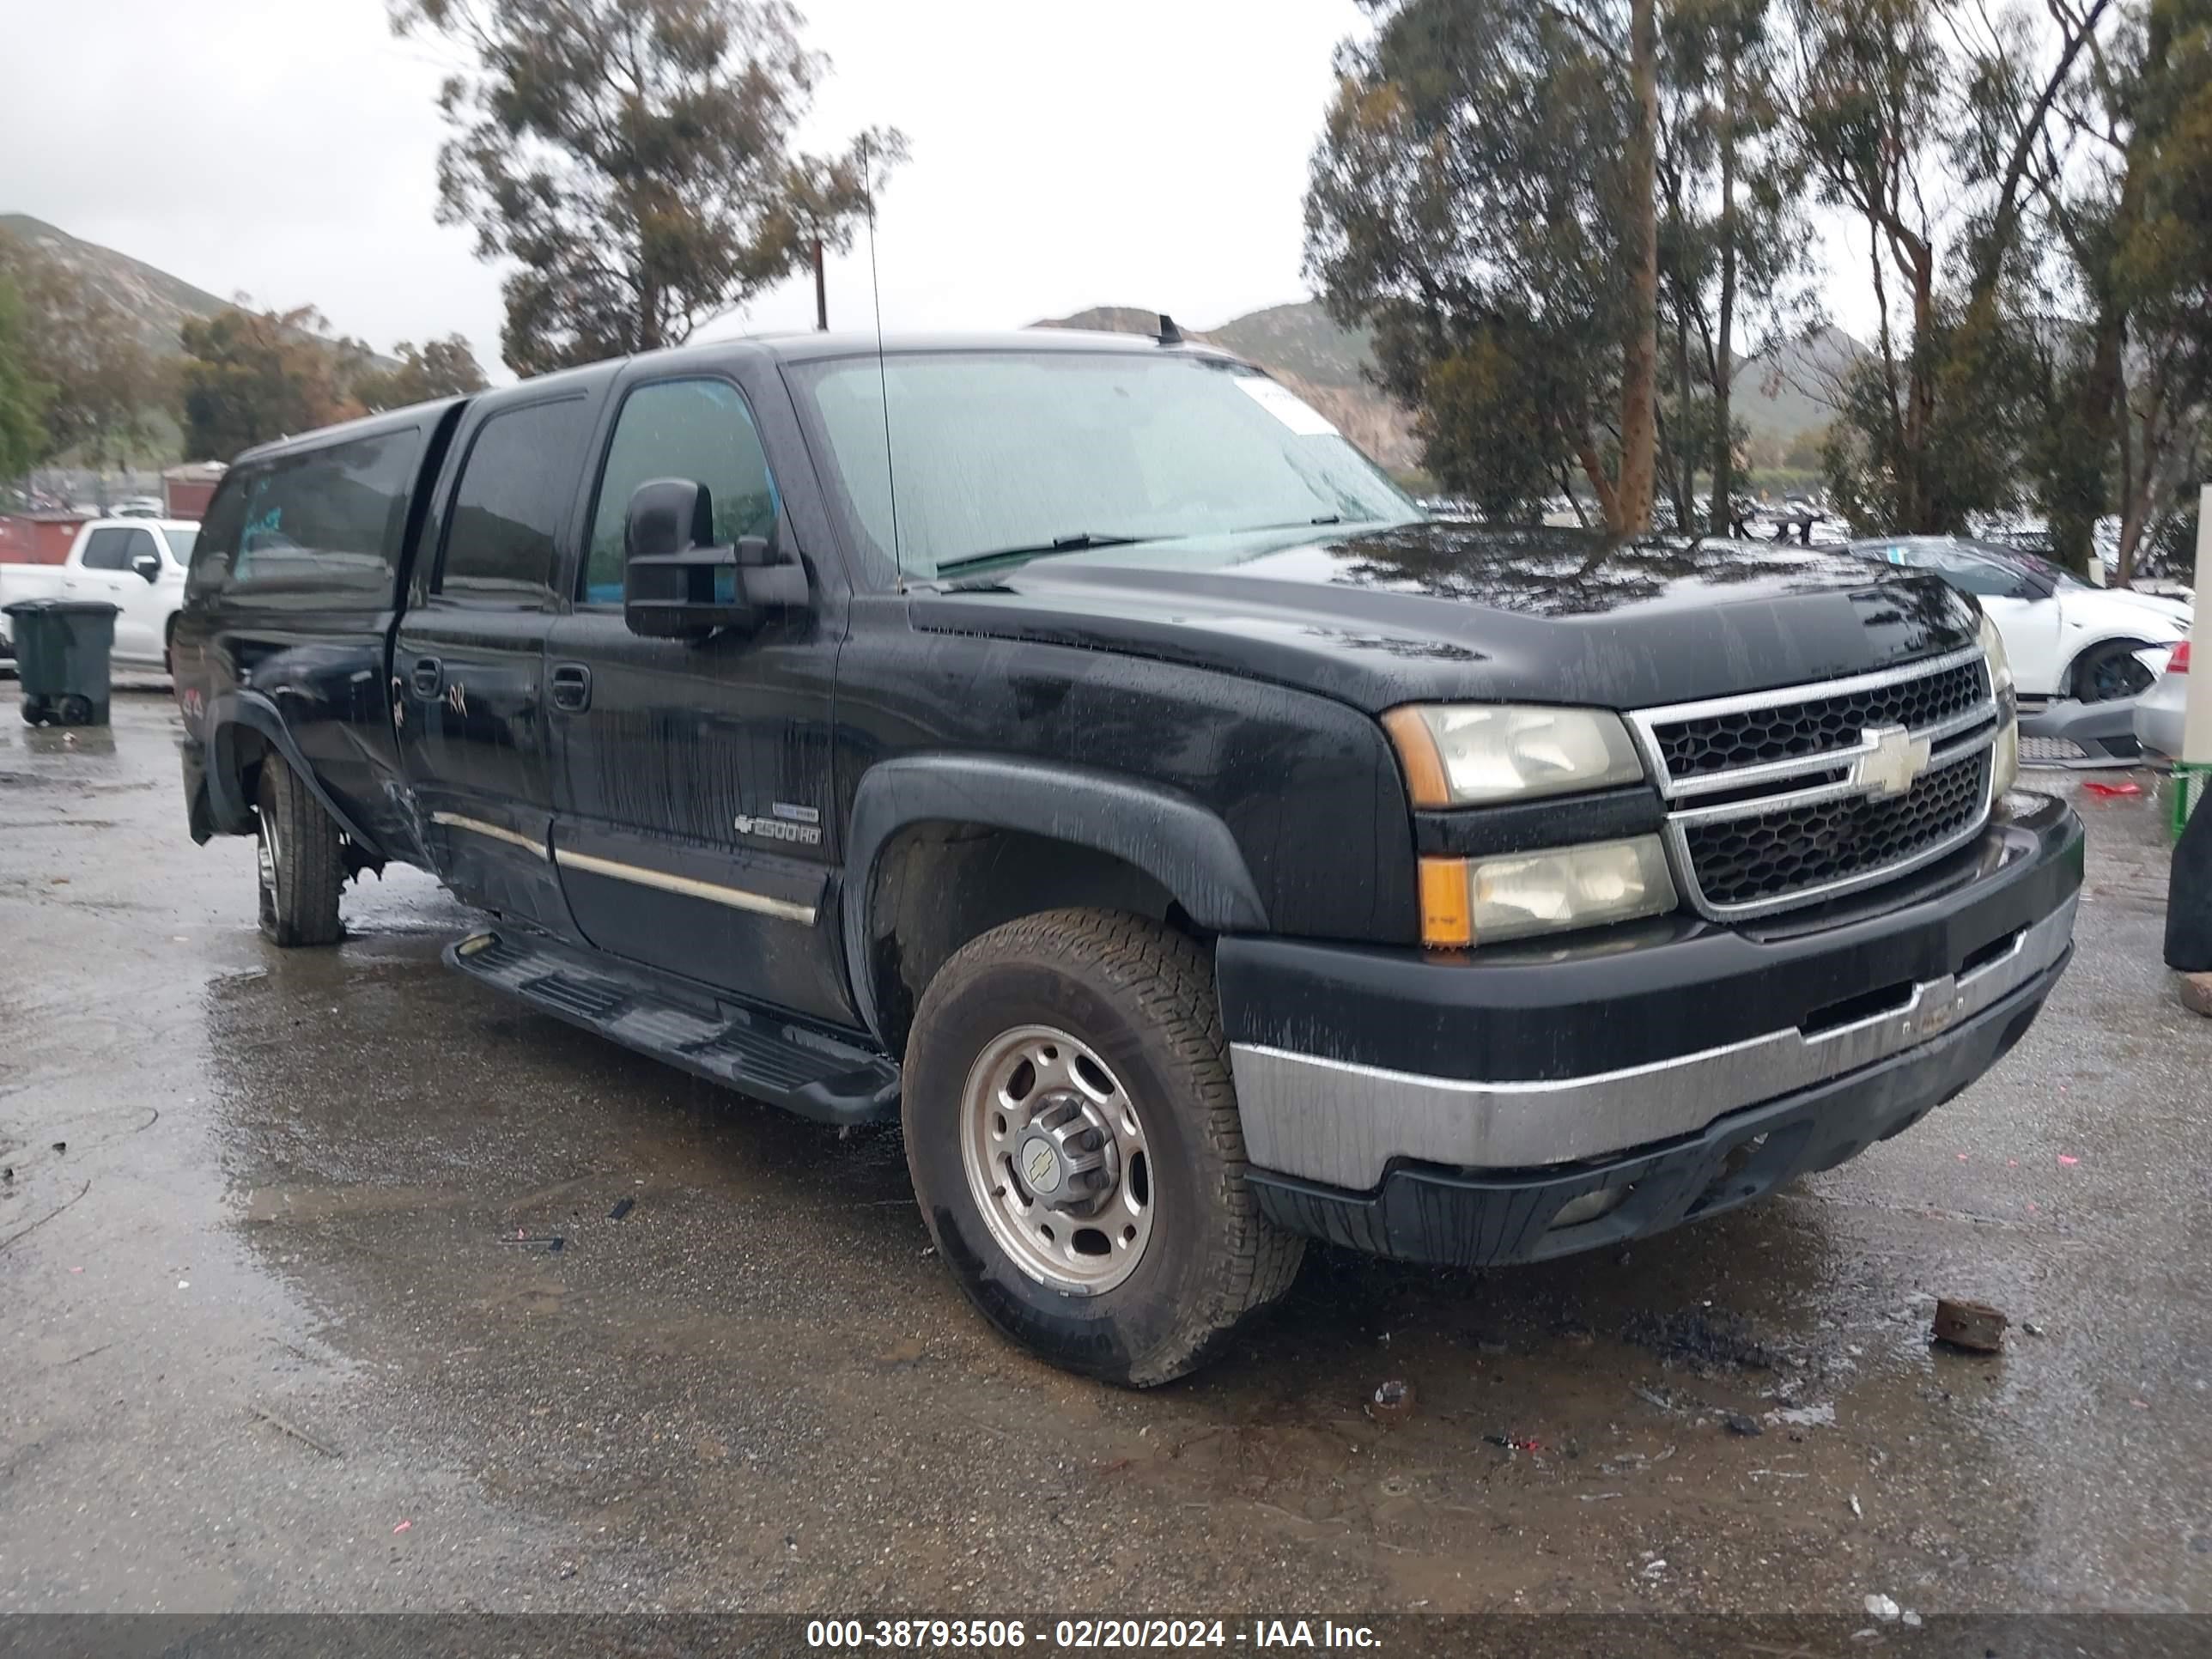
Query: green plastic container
pixel 62 647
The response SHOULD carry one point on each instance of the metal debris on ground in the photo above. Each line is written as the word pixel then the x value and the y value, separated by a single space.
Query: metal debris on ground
pixel 1974 1326
pixel 1881 1607
pixel 552 1242
pixel 61 1145
pixel 1392 1402
pixel 1739 1424
pixel 623 1207
pixel 2028 1327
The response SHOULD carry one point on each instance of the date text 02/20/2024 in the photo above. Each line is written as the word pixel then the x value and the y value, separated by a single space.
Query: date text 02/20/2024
pixel 855 1635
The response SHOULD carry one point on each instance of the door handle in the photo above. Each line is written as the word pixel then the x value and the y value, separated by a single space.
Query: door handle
pixel 428 676
pixel 572 687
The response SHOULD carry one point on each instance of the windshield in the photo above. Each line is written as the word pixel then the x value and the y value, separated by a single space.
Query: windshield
pixel 1005 451
pixel 180 542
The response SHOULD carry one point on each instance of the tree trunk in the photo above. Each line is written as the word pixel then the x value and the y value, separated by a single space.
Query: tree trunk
pixel 1683 486
pixel 1723 517
pixel 1639 418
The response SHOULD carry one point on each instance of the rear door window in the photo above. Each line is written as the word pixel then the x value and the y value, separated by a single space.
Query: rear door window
pixel 514 488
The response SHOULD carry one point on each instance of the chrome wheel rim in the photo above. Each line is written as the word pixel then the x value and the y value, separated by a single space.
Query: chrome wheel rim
pixel 1056 1160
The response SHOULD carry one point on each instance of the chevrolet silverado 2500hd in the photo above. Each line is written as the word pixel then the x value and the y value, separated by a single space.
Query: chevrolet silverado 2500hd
pixel 1072 747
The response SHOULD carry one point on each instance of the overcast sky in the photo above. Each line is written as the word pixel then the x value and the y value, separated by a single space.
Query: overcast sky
pixel 1153 154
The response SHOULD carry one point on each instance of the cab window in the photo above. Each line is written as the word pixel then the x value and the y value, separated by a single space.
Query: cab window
pixel 696 430
pixel 331 518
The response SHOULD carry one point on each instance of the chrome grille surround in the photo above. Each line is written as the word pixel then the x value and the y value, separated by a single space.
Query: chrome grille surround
pixel 1815 769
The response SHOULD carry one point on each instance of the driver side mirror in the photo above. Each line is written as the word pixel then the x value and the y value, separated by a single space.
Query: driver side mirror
pixel 678 584
pixel 148 565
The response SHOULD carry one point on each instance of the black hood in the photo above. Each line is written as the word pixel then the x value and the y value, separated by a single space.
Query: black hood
pixel 1429 612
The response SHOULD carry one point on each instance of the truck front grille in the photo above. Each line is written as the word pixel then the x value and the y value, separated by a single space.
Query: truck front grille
pixel 1789 730
pixel 1750 860
pixel 1792 797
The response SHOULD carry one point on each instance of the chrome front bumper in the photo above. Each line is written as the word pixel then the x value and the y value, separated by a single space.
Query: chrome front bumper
pixel 1341 1124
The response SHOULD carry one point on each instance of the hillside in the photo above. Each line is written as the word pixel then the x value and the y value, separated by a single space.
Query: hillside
pixel 1777 397
pixel 157 301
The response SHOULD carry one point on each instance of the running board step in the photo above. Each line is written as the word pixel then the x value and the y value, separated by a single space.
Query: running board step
pixel 799 1067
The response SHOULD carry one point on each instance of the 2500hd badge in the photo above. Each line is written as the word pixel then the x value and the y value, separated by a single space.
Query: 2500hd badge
pixel 1207 851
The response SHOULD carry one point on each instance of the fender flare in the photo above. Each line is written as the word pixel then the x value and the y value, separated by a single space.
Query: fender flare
pixel 1173 839
pixel 228 808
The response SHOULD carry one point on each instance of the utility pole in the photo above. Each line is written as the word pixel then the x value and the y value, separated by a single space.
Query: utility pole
pixel 821 291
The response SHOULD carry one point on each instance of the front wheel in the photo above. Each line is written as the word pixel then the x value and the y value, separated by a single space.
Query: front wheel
pixel 2107 672
pixel 300 863
pixel 1072 1130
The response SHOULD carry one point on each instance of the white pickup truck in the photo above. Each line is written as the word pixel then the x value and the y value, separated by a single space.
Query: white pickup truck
pixel 137 565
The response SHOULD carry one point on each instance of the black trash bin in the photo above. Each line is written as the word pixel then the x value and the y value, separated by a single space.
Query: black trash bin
pixel 61 659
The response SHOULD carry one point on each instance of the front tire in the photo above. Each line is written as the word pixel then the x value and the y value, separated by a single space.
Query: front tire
pixel 1071 1130
pixel 2110 672
pixel 301 865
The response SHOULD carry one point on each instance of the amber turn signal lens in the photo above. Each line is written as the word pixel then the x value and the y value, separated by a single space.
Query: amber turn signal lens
pixel 1416 745
pixel 1447 912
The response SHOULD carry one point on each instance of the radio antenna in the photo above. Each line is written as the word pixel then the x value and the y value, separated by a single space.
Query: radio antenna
pixel 883 377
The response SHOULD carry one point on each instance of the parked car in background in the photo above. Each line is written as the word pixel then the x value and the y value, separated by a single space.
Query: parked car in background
pixel 2065 638
pixel 137 565
pixel 2159 712
pixel 138 506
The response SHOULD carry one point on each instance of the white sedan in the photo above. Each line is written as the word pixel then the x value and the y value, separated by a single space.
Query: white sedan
pixel 2065 638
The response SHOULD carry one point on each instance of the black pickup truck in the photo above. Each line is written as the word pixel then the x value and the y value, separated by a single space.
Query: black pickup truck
pixel 1072 747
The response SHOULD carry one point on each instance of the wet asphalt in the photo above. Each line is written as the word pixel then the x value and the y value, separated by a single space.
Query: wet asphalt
pixel 282 1325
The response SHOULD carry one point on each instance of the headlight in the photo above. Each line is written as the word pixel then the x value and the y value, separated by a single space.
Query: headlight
pixel 1467 755
pixel 2005 763
pixel 2000 680
pixel 1488 901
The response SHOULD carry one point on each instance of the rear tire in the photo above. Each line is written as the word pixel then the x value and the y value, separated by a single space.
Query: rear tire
pixel 35 712
pixel 1121 1021
pixel 301 864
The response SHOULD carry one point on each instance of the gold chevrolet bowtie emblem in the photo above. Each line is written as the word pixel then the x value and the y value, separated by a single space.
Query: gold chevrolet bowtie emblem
pixel 1896 761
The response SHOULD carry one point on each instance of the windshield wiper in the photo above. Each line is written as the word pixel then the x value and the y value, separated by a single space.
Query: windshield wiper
pixel 1077 543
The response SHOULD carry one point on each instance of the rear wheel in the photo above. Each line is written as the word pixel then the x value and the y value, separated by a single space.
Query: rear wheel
pixel 301 864
pixel 1072 1130
pixel 2107 672
pixel 35 712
